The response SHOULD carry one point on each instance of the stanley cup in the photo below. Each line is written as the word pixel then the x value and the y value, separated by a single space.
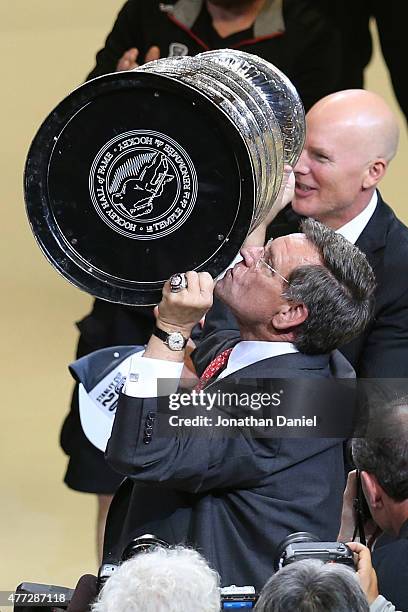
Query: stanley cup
pixel 140 174
pixel 262 103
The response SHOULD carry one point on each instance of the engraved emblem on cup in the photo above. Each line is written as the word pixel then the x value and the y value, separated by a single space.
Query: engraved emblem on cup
pixel 143 184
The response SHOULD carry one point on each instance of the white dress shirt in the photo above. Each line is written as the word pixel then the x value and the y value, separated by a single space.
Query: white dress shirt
pixel 145 372
pixel 247 352
pixel 354 228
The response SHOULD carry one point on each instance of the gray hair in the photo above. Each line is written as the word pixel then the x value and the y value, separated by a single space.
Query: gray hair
pixel 312 586
pixel 164 580
pixel 384 452
pixel 339 294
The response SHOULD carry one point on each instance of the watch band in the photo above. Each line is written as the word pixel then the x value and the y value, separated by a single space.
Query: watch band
pixel 174 340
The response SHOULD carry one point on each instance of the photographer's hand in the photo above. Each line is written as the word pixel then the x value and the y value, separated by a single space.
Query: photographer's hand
pixel 348 519
pixel 365 571
pixel 348 515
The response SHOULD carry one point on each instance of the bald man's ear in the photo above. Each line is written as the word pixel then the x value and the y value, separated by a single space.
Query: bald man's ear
pixel 375 173
pixel 289 315
pixel 372 490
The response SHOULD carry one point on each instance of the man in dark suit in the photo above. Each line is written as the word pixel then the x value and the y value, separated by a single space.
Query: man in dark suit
pixel 351 138
pixel 235 496
pixel 295 37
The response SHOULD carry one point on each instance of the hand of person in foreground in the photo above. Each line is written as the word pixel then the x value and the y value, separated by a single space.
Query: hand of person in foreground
pixel 365 571
pixel 179 311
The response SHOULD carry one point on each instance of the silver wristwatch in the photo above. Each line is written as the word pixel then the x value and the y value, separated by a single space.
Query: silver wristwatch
pixel 175 340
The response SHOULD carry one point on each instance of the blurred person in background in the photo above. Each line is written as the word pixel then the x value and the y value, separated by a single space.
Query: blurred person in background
pixel 291 34
pixel 352 20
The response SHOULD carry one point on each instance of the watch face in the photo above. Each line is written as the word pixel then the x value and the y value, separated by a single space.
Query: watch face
pixel 176 341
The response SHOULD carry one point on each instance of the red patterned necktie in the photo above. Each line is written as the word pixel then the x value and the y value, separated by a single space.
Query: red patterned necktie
pixel 213 368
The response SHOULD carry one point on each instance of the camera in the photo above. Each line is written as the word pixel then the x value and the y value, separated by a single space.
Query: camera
pixel 30 596
pixel 234 597
pixel 295 547
pixel 136 546
pixel 304 545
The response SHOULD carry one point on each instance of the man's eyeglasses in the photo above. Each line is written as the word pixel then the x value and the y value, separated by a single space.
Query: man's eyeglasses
pixel 261 261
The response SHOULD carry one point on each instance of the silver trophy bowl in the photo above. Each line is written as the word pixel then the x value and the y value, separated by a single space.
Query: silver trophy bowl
pixel 260 101
pixel 140 174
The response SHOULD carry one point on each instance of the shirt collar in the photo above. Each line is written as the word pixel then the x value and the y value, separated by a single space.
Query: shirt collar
pixel 354 228
pixel 269 21
pixel 247 352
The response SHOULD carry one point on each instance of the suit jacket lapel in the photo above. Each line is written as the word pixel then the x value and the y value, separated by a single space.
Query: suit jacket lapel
pixel 281 366
pixel 374 236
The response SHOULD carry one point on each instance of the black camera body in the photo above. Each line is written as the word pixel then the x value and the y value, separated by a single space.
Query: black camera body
pixel 295 547
pixel 105 572
pixel 328 552
pixel 136 546
pixel 30 596
pixel 233 597
pixel 304 545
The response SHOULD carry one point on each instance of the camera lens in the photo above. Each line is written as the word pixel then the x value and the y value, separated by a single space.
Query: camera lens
pixel 293 538
pixel 142 544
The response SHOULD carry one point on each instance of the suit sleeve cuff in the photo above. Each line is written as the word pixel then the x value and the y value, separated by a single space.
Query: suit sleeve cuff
pixel 144 374
pixel 382 605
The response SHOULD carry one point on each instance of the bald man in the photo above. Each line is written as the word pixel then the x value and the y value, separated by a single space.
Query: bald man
pixel 351 138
